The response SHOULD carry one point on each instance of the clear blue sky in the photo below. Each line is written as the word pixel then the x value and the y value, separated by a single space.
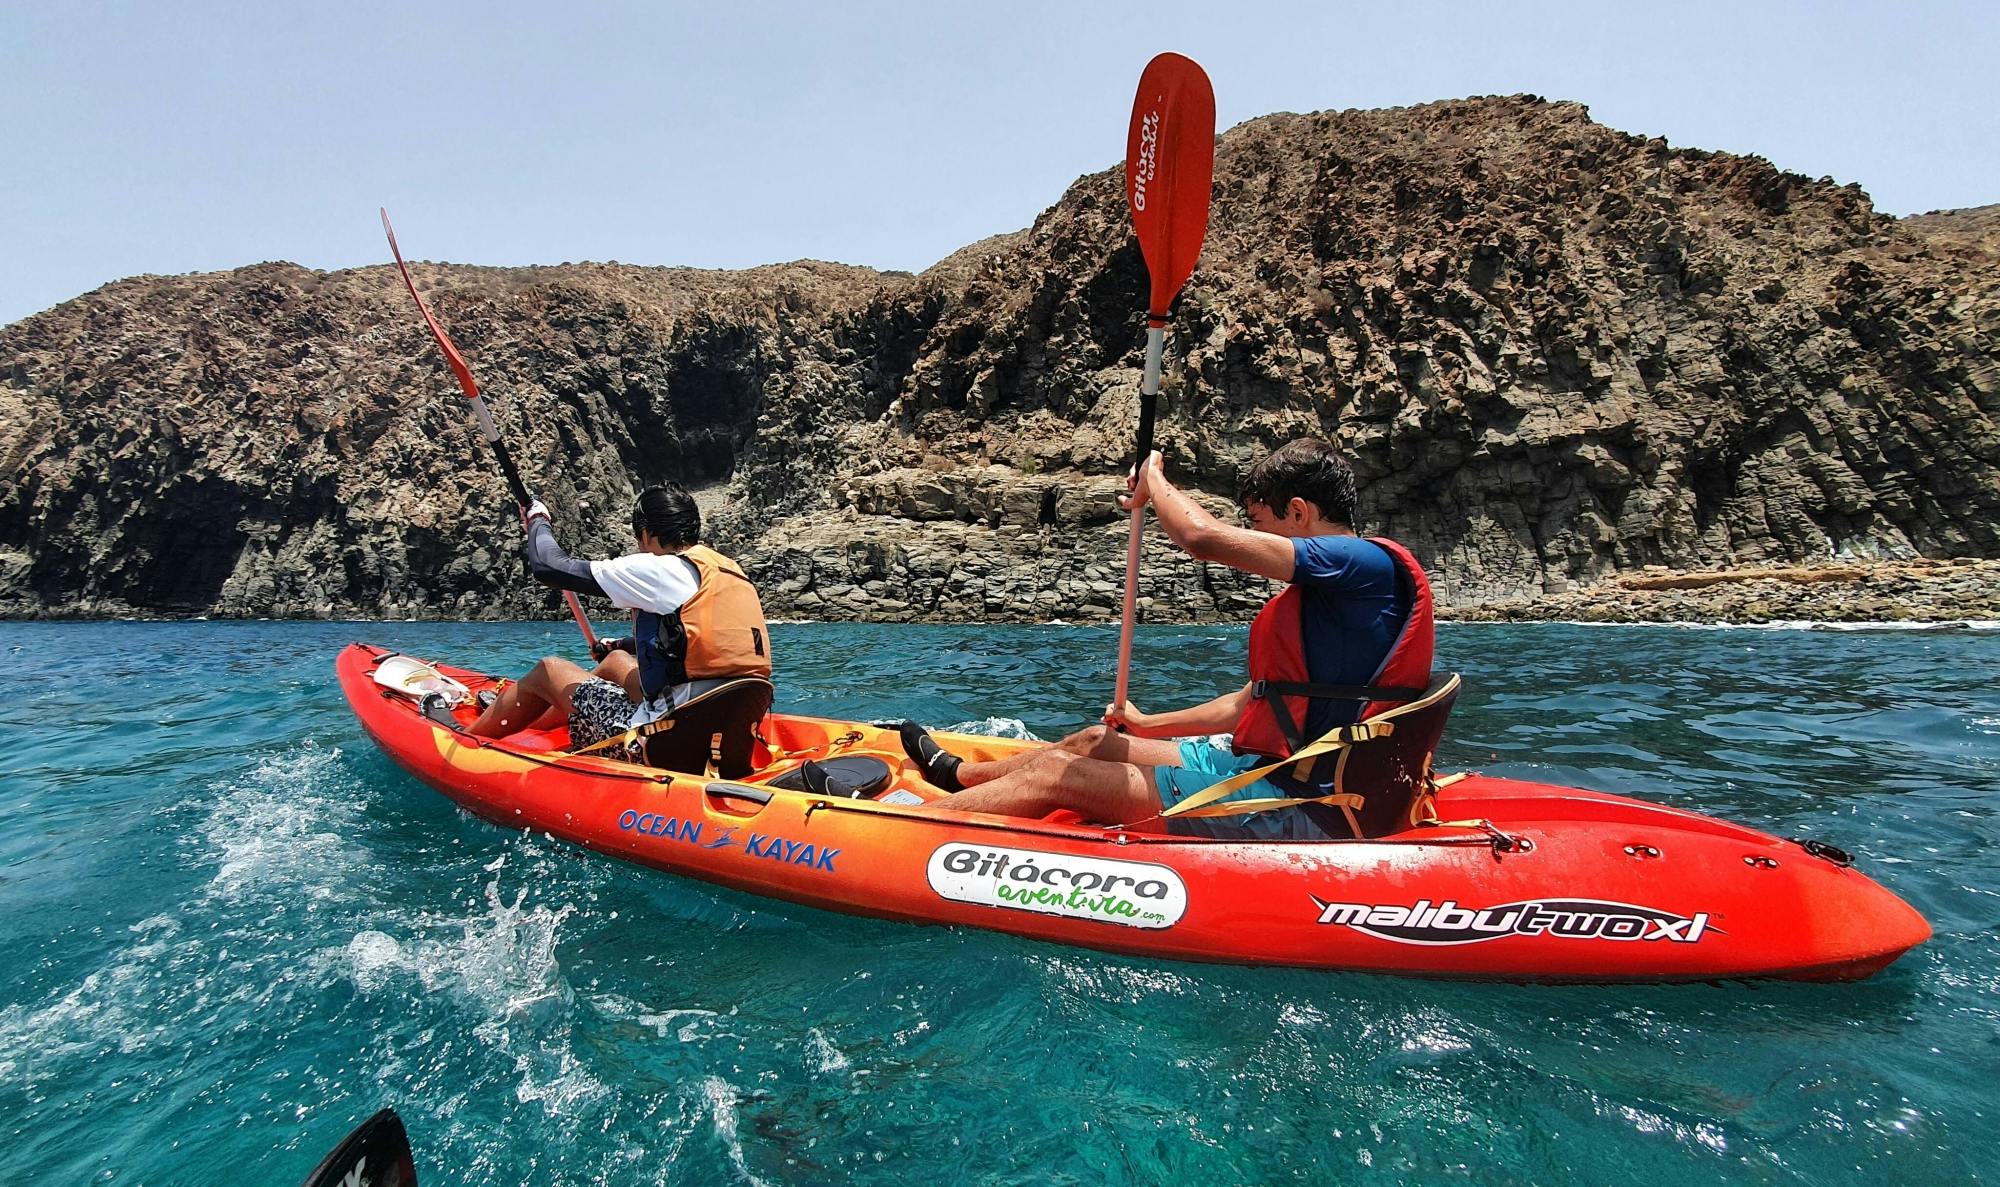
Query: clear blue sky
pixel 176 137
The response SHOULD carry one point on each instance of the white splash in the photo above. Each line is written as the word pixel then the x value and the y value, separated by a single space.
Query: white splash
pixel 720 1097
pixel 821 1055
pixel 995 727
pixel 372 957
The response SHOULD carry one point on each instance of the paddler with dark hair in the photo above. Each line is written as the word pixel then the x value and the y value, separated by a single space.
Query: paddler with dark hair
pixel 696 622
pixel 1356 613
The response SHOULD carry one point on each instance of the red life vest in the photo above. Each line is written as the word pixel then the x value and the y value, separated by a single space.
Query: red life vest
pixel 1281 686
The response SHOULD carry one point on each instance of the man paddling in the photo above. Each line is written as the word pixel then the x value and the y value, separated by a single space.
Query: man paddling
pixel 1341 631
pixel 696 620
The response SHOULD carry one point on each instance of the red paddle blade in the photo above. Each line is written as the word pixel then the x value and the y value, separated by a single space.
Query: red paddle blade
pixel 451 355
pixel 1169 165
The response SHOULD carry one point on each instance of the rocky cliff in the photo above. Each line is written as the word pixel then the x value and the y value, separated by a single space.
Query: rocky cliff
pixel 1556 352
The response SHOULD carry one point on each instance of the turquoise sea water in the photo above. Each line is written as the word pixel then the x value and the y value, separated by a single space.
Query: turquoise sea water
pixel 232 930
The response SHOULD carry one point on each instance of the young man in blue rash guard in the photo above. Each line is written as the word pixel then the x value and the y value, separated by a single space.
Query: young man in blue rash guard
pixel 1344 625
pixel 696 623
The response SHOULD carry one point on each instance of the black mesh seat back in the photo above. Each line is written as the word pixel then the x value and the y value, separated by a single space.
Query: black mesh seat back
pixel 1391 774
pixel 722 720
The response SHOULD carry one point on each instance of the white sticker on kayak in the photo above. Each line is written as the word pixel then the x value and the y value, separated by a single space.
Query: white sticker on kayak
pixel 1128 893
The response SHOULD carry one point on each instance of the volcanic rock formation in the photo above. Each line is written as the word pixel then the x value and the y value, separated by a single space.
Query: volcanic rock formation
pixel 1555 351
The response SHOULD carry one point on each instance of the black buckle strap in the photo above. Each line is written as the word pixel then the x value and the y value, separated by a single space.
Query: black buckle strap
pixel 1282 712
pixel 1274 692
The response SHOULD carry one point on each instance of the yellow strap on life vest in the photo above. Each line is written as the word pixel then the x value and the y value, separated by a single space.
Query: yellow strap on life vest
pixel 1338 738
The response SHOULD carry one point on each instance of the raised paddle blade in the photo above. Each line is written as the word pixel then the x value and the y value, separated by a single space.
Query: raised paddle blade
pixel 1169 164
pixel 1169 167
pixel 466 383
pixel 451 355
pixel 487 428
pixel 376 1154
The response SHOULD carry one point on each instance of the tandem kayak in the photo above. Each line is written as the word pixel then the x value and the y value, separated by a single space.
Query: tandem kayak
pixel 1528 881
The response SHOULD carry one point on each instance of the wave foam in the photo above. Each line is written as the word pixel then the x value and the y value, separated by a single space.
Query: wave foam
pixel 285 828
pixel 821 1055
pixel 995 727
pixel 720 1097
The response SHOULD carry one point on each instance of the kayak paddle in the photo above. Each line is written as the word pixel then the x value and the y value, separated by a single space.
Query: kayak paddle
pixel 1169 166
pixel 376 1154
pixel 487 428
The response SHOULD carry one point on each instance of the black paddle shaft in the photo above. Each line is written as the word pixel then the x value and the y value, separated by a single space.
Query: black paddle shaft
pixel 1148 405
pixel 514 482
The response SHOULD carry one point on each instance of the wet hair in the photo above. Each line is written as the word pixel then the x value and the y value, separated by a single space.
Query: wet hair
pixel 667 511
pixel 1308 469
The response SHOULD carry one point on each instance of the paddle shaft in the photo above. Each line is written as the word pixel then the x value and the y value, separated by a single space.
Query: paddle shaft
pixel 487 428
pixel 1149 399
pixel 491 432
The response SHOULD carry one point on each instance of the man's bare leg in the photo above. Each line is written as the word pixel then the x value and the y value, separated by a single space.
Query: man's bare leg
pixel 1097 741
pixel 551 690
pixel 1097 789
pixel 543 691
pixel 622 669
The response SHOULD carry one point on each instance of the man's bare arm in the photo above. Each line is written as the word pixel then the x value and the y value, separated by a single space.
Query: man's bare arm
pixel 1211 717
pixel 1206 538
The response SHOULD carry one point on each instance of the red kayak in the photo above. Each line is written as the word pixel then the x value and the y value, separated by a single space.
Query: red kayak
pixel 1527 882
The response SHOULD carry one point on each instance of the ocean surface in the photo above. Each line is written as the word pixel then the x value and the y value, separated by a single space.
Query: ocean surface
pixel 231 930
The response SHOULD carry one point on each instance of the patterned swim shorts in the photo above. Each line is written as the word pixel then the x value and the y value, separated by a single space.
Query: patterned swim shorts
pixel 598 709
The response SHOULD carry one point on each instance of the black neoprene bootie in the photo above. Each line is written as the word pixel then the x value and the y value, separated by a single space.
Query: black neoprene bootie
pixel 940 767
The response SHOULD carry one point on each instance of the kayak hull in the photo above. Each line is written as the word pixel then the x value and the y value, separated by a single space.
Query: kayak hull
pixel 1556 884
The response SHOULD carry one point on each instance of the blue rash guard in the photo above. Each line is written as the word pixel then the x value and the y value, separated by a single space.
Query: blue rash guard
pixel 1354 607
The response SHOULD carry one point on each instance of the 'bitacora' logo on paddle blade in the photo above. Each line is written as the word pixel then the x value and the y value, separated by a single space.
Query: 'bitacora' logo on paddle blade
pixel 1130 893
pixel 1423 922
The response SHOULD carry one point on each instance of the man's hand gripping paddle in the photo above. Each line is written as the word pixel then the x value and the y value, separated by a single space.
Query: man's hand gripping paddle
pixel 487 428
pixel 1169 165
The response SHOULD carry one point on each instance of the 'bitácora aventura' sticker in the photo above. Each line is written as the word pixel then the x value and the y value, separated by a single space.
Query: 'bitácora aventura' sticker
pixel 1129 893
pixel 1424 922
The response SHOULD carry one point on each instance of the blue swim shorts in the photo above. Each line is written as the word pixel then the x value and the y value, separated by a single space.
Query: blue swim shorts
pixel 1204 764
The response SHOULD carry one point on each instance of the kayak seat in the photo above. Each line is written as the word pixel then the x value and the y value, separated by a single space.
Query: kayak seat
pixel 1390 774
pixel 714 733
pixel 865 774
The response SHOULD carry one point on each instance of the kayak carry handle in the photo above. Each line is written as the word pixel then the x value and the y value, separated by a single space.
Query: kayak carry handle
pixel 738 791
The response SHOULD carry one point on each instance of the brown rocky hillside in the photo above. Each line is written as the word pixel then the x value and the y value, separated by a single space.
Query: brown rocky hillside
pixel 1557 352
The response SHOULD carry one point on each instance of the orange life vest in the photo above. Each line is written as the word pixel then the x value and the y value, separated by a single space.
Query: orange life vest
pixel 717 632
